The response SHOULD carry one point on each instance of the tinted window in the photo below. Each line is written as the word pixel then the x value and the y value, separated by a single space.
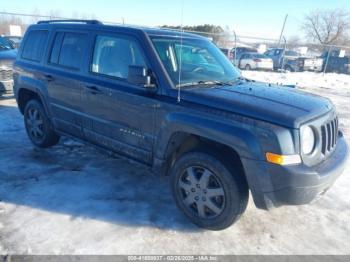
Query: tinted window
pixel 68 49
pixel 113 55
pixel 5 44
pixel 291 53
pixel 34 45
pixel 55 53
pixel 259 56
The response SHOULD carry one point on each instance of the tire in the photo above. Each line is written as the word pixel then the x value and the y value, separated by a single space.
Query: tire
pixel 248 67
pixel 38 126
pixel 195 177
pixel 288 68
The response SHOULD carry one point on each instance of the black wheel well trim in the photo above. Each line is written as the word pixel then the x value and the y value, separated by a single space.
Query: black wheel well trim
pixel 25 94
pixel 182 142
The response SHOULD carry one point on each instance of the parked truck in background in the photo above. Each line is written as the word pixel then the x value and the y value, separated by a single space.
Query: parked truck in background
pixel 292 61
pixel 336 63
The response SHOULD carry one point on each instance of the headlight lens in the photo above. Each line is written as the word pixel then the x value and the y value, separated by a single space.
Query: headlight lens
pixel 307 140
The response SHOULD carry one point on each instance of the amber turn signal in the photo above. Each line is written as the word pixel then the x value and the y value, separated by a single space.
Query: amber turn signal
pixel 283 159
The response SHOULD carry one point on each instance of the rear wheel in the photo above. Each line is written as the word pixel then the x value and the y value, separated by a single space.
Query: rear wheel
pixel 38 125
pixel 248 67
pixel 206 192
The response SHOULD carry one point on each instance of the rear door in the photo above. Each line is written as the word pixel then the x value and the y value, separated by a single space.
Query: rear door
pixel 63 77
pixel 118 115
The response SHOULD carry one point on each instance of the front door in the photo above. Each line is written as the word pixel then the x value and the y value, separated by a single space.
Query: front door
pixel 118 115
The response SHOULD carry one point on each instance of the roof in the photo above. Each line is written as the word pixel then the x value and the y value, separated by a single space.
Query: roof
pixel 99 25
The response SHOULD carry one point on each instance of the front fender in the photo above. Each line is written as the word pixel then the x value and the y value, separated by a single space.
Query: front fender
pixel 238 136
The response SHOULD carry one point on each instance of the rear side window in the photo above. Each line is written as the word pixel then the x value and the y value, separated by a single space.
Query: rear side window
pixel 68 49
pixel 114 55
pixel 34 45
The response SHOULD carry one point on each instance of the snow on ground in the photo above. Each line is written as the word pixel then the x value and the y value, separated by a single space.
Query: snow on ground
pixel 73 199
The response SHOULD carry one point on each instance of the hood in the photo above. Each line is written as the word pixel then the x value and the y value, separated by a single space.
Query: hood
pixel 280 105
pixel 8 54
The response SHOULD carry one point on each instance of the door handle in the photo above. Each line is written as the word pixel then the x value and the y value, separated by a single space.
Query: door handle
pixel 94 90
pixel 49 78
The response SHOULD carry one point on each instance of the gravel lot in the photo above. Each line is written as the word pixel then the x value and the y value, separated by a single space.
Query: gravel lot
pixel 73 199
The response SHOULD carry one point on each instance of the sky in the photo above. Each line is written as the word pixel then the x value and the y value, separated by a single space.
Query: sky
pixel 260 18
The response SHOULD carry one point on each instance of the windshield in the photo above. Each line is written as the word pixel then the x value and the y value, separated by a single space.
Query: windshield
pixel 5 44
pixel 291 53
pixel 256 55
pixel 201 61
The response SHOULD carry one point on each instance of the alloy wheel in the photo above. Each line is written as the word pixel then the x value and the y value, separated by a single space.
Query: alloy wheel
pixel 35 124
pixel 201 192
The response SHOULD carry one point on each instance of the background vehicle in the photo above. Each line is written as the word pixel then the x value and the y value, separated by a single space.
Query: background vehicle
pixel 239 52
pixel 227 52
pixel 216 134
pixel 292 61
pixel 336 63
pixel 15 40
pixel 256 61
pixel 7 57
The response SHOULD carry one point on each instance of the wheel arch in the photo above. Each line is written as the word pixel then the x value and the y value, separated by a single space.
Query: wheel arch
pixel 185 133
pixel 27 92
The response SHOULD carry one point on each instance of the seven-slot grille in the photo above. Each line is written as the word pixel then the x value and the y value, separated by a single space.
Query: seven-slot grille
pixel 5 74
pixel 329 135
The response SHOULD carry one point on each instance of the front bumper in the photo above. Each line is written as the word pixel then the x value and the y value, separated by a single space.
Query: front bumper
pixel 276 185
pixel 6 86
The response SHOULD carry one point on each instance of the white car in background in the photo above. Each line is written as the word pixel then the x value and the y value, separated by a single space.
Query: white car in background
pixel 255 61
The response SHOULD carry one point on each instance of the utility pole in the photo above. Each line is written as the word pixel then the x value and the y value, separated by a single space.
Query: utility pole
pixel 284 24
pixel 234 59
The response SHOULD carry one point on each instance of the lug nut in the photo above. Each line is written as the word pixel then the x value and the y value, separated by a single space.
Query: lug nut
pixel 193 189
pixel 204 198
pixel 196 198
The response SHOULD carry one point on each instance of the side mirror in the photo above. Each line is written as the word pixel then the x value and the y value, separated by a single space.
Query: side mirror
pixel 139 75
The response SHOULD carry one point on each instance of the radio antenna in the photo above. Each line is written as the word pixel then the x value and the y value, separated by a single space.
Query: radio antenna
pixel 180 56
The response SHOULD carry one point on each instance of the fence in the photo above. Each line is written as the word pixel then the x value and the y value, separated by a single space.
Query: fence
pixel 332 56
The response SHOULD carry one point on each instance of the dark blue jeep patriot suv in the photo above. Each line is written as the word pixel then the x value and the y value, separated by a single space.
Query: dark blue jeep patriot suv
pixel 173 102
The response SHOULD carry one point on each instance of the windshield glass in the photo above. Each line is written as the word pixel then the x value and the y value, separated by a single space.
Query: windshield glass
pixel 201 61
pixel 5 44
pixel 291 53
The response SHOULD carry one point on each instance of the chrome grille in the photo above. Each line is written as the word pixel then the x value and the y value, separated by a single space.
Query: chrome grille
pixel 329 135
pixel 6 74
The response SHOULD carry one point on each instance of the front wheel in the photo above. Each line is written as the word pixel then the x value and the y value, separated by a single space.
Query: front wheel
pixel 205 190
pixel 38 125
pixel 248 67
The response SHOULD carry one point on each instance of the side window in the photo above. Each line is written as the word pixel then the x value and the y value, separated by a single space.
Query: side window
pixel 68 49
pixel 113 56
pixel 34 45
pixel 55 52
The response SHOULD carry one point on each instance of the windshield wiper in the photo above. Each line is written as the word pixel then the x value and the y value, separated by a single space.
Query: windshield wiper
pixel 202 82
pixel 197 83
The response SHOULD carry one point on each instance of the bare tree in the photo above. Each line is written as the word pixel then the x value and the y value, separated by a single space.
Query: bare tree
pixel 327 26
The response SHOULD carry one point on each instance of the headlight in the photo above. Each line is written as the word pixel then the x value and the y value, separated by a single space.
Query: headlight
pixel 307 136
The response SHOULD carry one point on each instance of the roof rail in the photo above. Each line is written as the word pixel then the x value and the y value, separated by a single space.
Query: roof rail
pixel 92 22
